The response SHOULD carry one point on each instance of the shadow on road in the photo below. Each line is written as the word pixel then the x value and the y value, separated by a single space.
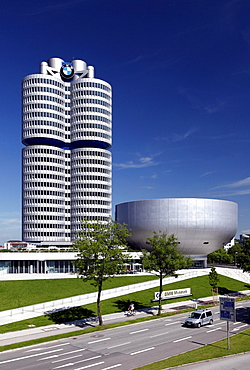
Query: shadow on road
pixel 123 304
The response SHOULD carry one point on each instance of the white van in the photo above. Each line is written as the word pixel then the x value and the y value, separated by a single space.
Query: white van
pixel 200 317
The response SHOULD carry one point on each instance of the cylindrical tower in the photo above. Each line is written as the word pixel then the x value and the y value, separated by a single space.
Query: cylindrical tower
pixel 43 110
pixel 91 185
pixel 91 113
pixel 67 167
pixel 44 193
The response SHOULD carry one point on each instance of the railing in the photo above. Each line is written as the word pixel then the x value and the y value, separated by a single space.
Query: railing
pixel 234 274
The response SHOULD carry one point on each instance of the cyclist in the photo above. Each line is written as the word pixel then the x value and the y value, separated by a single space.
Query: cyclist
pixel 131 308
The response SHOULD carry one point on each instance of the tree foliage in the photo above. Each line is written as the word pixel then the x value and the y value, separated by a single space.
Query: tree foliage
pixel 164 258
pixel 221 256
pixel 243 256
pixel 213 278
pixel 234 251
pixel 101 248
pixel 239 254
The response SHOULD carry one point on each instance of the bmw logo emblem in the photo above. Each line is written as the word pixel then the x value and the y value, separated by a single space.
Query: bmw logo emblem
pixel 67 71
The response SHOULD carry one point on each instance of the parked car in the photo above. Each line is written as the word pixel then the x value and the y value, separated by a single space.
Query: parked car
pixel 200 317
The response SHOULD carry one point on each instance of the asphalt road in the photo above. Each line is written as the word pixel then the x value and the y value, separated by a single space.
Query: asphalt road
pixel 126 347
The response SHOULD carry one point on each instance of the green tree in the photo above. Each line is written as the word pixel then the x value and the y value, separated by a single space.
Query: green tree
pixel 234 251
pixel 243 256
pixel 220 256
pixel 164 258
pixel 213 278
pixel 101 248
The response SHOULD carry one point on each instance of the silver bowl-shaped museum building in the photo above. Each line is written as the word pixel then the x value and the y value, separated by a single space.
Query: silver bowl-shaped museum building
pixel 201 225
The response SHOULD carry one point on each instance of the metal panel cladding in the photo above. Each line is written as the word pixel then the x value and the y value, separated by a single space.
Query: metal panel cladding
pixel 201 225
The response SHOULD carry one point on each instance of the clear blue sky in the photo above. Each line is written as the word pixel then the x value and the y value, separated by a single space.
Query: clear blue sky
pixel 180 71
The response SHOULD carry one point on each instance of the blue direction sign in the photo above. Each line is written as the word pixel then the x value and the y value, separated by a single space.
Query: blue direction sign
pixel 227 309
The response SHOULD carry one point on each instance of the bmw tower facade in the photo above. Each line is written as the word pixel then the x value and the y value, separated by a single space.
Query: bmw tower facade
pixel 67 165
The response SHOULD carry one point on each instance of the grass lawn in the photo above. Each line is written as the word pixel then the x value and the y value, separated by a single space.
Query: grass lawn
pixel 199 287
pixel 21 293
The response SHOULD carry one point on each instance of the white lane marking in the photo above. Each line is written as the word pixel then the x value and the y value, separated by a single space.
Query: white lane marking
pixel 86 367
pixel 49 329
pixel 63 354
pixel 42 349
pixel 118 345
pixel 242 326
pixel 30 356
pixel 158 335
pixel 143 350
pixel 77 362
pixel 239 327
pixel 210 331
pixel 171 323
pixel 69 364
pixel 218 323
pixel 138 331
pixel 65 359
pixel 98 340
pixel 179 340
pixel 47 358
pixel 112 367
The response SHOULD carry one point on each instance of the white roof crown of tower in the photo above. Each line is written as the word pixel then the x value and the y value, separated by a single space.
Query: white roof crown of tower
pixel 67 70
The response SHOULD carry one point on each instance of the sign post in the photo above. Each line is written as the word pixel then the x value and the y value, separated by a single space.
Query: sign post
pixel 228 313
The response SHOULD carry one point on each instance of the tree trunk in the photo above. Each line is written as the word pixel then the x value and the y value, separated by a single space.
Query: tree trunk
pixel 159 307
pixel 99 304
